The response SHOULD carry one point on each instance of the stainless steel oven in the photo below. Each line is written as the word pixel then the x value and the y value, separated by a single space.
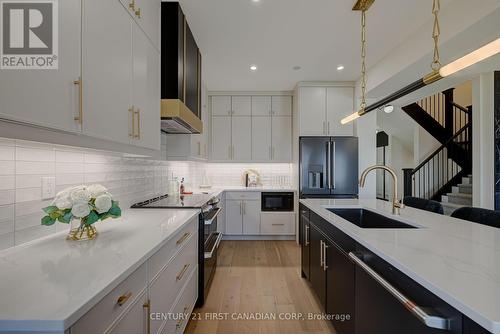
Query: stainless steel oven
pixel 211 241
pixel 277 201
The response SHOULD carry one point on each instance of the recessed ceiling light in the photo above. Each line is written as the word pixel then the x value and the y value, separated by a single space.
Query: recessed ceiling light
pixel 253 67
pixel 296 68
pixel 255 0
pixel 388 108
pixel 340 67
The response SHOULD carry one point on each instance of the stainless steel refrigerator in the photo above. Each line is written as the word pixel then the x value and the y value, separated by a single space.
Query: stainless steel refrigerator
pixel 329 167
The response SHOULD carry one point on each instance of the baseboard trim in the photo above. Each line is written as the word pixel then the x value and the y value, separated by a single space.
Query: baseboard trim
pixel 258 237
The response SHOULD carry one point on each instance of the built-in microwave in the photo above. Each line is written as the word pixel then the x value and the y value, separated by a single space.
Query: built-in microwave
pixel 277 201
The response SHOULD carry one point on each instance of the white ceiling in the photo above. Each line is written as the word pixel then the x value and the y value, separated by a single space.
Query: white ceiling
pixel 277 35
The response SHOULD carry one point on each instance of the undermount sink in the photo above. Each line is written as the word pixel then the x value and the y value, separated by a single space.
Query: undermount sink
pixel 369 219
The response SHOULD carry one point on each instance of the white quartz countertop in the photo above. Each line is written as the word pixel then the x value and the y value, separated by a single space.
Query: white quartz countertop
pixel 47 285
pixel 456 260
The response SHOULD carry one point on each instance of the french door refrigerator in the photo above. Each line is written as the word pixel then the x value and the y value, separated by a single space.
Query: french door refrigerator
pixel 328 167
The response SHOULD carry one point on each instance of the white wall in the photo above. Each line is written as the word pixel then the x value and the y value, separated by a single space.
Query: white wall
pixel 483 157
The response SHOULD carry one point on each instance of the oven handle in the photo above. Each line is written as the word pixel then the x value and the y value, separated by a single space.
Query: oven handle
pixel 208 255
pixel 211 220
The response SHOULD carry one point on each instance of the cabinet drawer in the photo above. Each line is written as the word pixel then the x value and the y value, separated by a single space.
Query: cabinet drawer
pixel 101 316
pixel 135 320
pixel 165 289
pixel 181 312
pixel 277 223
pixel 163 256
pixel 243 195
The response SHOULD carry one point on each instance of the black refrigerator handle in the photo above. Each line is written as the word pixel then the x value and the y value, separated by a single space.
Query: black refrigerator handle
pixel 328 164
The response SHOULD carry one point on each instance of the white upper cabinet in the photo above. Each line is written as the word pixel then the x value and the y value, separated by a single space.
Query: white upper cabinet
pixel 48 98
pixel 312 111
pixel 260 128
pixel 221 138
pixel 321 109
pixel 107 70
pixel 146 91
pixel 241 138
pixel 147 14
pixel 282 106
pixel 221 105
pixel 339 104
pixel 281 139
pixel 261 106
pixel 261 138
pixel 241 105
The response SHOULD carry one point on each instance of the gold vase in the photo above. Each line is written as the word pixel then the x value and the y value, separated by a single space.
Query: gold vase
pixel 79 231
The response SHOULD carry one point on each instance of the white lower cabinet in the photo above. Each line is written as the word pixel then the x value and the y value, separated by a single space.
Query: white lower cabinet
pixel 234 219
pixel 277 223
pixel 181 312
pixel 135 320
pixel 164 286
pixel 242 217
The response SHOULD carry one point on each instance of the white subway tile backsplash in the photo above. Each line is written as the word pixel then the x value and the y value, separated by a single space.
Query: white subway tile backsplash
pixel 6 226
pixel 7 197
pixel 6 240
pixel 28 167
pixel 34 154
pixel 32 233
pixel 7 168
pixel 7 182
pixel 69 179
pixel 69 156
pixel 23 164
pixel 29 181
pixel 7 152
pixel 69 168
pixel 6 212
pixel 28 194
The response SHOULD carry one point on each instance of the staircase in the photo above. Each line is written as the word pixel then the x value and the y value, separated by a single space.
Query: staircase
pixel 460 196
pixel 445 175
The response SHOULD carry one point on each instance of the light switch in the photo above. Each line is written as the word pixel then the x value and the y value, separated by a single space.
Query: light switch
pixel 48 187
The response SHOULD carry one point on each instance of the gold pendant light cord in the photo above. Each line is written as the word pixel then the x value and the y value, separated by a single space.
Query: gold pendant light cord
pixel 436 62
pixel 363 61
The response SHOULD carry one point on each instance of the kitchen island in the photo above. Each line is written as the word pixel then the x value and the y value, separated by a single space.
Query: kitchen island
pixel 444 260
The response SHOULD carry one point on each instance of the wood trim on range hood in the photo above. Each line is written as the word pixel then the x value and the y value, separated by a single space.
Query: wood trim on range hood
pixel 174 110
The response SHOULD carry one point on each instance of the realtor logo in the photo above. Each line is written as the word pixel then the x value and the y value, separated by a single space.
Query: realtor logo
pixel 28 34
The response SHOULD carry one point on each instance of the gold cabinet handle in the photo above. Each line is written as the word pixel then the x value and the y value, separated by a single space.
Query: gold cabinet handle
pixel 182 272
pixel 147 306
pixel 132 112
pixel 138 134
pixel 181 321
pixel 131 5
pixel 138 13
pixel 184 237
pixel 124 298
pixel 78 82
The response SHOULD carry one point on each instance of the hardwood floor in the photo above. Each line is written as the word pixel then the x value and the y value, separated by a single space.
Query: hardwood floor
pixel 258 279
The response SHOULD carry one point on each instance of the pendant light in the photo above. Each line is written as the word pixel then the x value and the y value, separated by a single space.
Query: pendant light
pixel 363 6
pixel 438 72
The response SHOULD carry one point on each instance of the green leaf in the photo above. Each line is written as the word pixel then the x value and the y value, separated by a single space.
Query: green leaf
pixel 50 209
pixel 115 210
pixel 48 221
pixel 92 218
pixel 55 214
pixel 66 218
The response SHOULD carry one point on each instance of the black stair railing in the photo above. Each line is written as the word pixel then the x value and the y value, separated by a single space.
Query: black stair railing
pixel 437 174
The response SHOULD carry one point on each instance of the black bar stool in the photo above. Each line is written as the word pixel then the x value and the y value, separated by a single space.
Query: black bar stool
pixel 478 215
pixel 423 204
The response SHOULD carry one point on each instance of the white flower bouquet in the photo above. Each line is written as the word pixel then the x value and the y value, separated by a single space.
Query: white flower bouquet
pixel 85 204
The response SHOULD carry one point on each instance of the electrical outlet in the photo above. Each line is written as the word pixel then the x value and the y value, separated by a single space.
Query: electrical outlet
pixel 48 187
